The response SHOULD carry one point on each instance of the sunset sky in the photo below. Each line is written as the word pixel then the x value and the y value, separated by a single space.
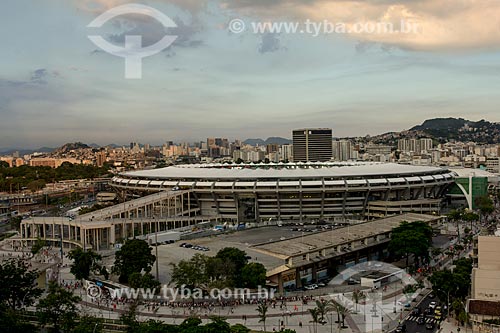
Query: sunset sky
pixel 56 86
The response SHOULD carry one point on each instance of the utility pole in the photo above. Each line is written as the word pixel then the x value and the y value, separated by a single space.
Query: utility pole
pixel 156 252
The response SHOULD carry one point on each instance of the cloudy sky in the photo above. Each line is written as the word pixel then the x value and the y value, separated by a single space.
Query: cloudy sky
pixel 56 86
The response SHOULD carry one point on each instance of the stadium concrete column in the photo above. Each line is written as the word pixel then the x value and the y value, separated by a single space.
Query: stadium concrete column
pixel 280 283
pixel 298 282
pixel 112 235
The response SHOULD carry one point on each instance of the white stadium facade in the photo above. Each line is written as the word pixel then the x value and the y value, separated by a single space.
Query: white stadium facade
pixel 296 191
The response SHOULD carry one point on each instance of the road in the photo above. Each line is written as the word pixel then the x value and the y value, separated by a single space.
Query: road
pixel 411 321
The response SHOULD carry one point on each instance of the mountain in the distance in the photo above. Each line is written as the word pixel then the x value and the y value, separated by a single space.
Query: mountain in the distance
pixel 460 129
pixel 268 141
pixel 72 146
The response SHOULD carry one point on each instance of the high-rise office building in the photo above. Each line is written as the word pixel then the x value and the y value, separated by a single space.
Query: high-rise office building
pixel 342 150
pixel 312 144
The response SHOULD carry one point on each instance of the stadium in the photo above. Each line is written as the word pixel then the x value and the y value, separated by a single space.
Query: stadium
pixel 296 191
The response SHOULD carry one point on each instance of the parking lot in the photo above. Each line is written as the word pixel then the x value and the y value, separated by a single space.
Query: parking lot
pixel 243 240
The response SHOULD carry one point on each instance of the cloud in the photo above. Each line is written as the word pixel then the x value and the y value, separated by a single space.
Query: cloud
pixel 441 25
pixel 39 76
pixel 270 43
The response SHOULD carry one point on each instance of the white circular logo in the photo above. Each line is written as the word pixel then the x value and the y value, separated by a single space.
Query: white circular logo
pixel 94 291
pixel 237 26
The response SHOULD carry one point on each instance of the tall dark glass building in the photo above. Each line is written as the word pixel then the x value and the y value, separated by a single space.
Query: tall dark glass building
pixel 312 145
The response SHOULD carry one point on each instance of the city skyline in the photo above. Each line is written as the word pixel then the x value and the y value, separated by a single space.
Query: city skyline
pixel 56 86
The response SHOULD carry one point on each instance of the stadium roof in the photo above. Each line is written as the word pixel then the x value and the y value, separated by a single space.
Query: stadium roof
pixel 284 170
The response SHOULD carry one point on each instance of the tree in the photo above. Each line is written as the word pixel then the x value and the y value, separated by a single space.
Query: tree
pixel 58 308
pixel 18 284
pixel 145 281
pixel 129 318
pixel 484 204
pixel 87 324
pixel 85 262
pixel 15 222
pixel 343 311
pixel 323 307
pixel 454 284
pixel 11 321
pixel 219 272
pixel 315 314
pixel 262 311
pixel 238 328
pixel 442 283
pixel 357 295
pixel 238 260
pixel 134 256
pixel 217 325
pixel 253 275
pixel 191 273
pixel 39 244
pixel 189 324
pixel 411 238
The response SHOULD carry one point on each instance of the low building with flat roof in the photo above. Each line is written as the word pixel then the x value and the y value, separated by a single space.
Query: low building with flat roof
pixel 311 258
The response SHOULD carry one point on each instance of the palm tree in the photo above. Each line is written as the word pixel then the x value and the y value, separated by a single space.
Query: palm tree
pixel 262 310
pixel 357 295
pixel 315 314
pixel 343 311
pixel 324 307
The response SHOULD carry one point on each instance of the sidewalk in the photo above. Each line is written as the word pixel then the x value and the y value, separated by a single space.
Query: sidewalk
pixel 449 325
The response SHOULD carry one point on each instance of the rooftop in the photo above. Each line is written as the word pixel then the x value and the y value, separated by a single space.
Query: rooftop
pixel 328 239
pixel 284 170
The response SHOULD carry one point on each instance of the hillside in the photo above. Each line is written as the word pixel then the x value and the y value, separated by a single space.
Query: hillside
pixel 459 129
pixel 268 141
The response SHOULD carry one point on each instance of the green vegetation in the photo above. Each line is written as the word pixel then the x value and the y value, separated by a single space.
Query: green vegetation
pixel 190 325
pixel 18 287
pixel 253 275
pixel 58 312
pixel 15 222
pixel 147 280
pixel 456 284
pixel 86 262
pixel 484 204
pixel 262 311
pixel 229 268
pixel 39 244
pixel 134 257
pixel 58 309
pixel 35 178
pixel 411 239
pixel 87 324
